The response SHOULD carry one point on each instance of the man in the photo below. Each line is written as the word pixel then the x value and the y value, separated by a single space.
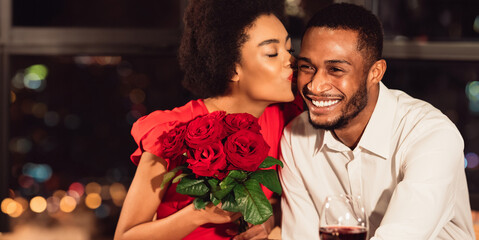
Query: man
pixel 400 154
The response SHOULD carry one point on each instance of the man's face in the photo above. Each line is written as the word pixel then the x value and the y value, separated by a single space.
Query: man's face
pixel 332 77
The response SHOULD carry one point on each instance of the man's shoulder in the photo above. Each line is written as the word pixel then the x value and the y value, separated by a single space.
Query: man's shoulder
pixel 420 117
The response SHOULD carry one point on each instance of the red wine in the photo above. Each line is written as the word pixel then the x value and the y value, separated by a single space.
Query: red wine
pixel 342 233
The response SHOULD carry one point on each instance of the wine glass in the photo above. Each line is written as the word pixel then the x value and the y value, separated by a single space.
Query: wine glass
pixel 343 218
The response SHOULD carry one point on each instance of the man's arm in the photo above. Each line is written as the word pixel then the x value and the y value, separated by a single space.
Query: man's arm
pixel 424 201
pixel 300 219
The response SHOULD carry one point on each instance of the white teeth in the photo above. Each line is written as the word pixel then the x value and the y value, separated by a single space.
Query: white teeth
pixel 324 103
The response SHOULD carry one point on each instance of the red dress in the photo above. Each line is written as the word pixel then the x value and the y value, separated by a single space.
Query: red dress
pixel 148 128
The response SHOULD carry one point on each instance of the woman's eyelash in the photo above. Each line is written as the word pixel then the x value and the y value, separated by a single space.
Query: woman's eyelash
pixel 273 55
pixel 291 51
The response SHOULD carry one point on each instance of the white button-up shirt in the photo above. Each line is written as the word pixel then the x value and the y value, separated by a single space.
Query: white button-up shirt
pixel 408 167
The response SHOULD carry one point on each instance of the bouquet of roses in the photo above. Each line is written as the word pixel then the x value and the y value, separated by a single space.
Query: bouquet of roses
pixel 219 159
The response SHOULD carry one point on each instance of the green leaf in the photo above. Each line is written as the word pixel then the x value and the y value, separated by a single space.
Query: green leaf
pixel 192 187
pixel 270 161
pixel 228 203
pixel 269 178
pixel 169 175
pixel 233 175
pixel 217 190
pixel 213 199
pixel 179 177
pixel 252 202
pixel 200 203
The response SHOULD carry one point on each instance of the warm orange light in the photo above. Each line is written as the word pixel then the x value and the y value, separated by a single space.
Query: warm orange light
pixel 68 204
pixel 93 187
pixel 93 200
pixel 13 97
pixel 59 194
pixel 6 205
pixel 38 204
pixel 118 193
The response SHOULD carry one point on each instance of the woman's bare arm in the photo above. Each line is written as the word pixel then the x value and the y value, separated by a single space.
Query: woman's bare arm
pixel 143 198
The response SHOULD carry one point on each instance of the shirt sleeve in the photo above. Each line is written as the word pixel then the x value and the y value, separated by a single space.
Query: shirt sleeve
pixel 300 219
pixel 423 202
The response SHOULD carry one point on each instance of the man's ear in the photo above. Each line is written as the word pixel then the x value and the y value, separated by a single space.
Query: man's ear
pixel 237 74
pixel 377 70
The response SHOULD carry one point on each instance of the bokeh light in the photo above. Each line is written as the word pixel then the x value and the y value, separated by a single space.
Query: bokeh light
pixel 51 118
pixel 68 204
pixel 59 194
pixel 475 26
pixel 472 160
pixel 38 204
pixel 7 206
pixel 118 193
pixel 20 145
pixel 78 188
pixel 34 77
pixel 39 172
pixel 53 204
pixel 13 97
pixel 93 187
pixel 137 96
pixel 25 181
pixel 39 110
pixel 93 200
pixel 103 211
pixel 472 91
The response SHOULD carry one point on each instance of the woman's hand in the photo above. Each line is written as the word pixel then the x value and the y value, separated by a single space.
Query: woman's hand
pixel 214 214
pixel 257 231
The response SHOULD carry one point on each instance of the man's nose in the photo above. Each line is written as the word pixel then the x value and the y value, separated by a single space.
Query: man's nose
pixel 319 83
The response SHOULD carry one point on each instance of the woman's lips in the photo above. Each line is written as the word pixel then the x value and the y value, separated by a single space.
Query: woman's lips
pixel 290 78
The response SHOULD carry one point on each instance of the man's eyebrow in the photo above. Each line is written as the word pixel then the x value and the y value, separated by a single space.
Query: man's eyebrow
pixel 304 59
pixel 269 41
pixel 338 61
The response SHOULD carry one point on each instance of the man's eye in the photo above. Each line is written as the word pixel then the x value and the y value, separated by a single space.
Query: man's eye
pixel 335 69
pixel 306 68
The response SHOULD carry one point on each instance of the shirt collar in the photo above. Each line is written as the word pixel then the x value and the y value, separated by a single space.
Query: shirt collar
pixel 377 135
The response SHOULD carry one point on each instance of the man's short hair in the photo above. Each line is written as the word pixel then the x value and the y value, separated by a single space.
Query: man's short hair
pixel 353 17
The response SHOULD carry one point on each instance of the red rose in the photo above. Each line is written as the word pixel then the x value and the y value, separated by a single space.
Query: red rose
pixel 246 150
pixel 205 129
pixel 208 161
pixel 237 121
pixel 172 142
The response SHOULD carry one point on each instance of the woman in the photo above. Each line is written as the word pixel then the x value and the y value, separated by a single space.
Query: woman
pixel 236 55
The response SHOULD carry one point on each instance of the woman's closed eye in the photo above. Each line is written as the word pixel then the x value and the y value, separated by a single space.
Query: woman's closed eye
pixel 272 55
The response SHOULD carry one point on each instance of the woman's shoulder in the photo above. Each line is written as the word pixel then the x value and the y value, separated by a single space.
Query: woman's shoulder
pixel 164 120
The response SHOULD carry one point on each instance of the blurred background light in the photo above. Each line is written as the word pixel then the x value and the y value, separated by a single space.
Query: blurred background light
pixel 68 204
pixel 93 200
pixel 39 172
pixel 472 160
pixel 38 204
pixel 475 26
pixel 20 145
pixel 118 193
pixel 51 118
pixel 103 211
pixel 93 187
pixel 53 204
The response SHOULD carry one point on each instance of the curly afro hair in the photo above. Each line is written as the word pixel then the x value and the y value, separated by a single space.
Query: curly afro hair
pixel 214 32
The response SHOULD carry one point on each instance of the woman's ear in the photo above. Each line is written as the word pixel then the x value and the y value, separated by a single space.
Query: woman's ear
pixel 237 74
pixel 377 70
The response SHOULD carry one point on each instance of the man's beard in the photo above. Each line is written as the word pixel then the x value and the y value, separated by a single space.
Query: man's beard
pixel 354 106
